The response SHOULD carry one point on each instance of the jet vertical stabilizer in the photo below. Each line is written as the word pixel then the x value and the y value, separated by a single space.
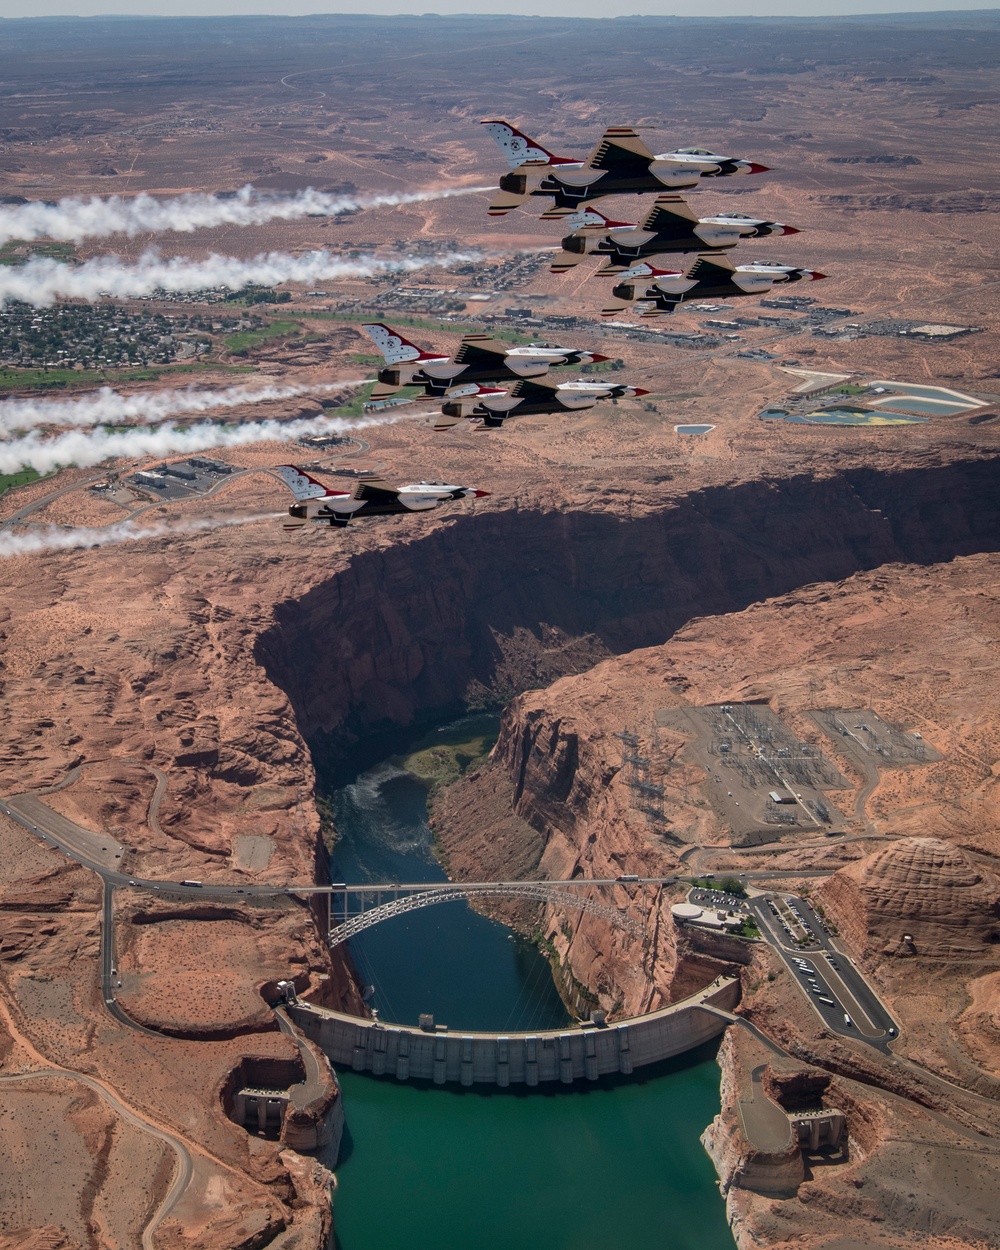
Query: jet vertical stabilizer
pixel 403 359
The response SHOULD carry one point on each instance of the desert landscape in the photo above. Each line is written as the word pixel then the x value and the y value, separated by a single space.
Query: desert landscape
pixel 177 669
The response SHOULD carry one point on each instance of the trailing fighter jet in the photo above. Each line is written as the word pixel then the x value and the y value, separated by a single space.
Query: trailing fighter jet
pixel 669 226
pixel 527 397
pixel 620 164
pixel 369 497
pixel 480 358
pixel 711 277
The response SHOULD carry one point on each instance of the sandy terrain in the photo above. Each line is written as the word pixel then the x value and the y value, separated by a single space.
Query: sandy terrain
pixel 636 569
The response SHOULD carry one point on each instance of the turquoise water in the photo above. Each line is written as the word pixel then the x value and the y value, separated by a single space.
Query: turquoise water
pixel 448 960
pixel 616 1163
pixel 836 416
pixel 930 392
pixel 617 1166
pixel 934 408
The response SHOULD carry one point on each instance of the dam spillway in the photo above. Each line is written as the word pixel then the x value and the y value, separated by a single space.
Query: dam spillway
pixel 531 1059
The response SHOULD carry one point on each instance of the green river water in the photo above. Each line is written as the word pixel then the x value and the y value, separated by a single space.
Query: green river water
pixel 616 1163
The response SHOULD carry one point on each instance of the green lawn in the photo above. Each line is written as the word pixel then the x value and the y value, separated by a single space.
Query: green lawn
pixel 21 478
pixel 39 379
pixel 57 251
pixel 416 323
pixel 246 339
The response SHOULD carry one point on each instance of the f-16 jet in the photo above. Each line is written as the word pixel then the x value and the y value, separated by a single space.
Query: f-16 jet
pixel 369 497
pixel 524 398
pixel 669 227
pixel 480 358
pixel 620 164
pixel 711 277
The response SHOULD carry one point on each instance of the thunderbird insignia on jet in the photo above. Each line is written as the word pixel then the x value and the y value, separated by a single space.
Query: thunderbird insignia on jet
pixel 669 227
pixel 480 358
pixel 368 497
pixel 711 277
pixel 620 164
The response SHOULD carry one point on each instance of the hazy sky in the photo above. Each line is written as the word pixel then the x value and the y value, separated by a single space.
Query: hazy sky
pixel 554 8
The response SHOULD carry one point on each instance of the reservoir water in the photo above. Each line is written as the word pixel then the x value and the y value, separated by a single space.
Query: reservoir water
pixel 617 1162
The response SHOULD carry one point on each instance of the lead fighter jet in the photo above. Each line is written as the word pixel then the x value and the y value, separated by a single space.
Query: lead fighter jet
pixel 526 397
pixel 620 164
pixel 711 277
pixel 369 497
pixel 669 227
pixel 480 358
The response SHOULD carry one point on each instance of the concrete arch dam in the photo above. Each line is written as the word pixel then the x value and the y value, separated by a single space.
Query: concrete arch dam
pixel 503 1059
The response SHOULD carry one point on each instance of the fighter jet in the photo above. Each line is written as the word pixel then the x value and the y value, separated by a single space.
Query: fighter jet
pixel 369 497
pixel 711 277
pixel 524 398
pixel 620 164
pixel 669 227
pixel 480 358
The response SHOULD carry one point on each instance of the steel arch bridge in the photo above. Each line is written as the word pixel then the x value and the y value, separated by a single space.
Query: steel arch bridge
pixel 530 890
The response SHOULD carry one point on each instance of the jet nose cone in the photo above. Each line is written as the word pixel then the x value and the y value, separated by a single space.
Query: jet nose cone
pixel 637 390
pixel 596 357
pixel 817 276
pixel 482 494
pixel 759 169
pixel 790 230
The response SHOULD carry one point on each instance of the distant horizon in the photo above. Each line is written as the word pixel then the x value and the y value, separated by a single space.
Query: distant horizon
pixel 22 10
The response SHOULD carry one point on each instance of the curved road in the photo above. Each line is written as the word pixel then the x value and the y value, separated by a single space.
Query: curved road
pixel 184 1168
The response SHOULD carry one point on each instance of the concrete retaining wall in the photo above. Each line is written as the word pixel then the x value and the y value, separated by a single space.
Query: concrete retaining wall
pixel 504 1059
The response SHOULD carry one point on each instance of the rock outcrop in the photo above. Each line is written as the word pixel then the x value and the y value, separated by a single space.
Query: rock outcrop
pixel 919 896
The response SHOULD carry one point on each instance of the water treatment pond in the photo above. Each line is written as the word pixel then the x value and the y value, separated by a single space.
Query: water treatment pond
pixel 617 1162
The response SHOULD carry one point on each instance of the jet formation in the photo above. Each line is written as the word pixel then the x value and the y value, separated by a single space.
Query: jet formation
pixel 486 381
pixel 639 253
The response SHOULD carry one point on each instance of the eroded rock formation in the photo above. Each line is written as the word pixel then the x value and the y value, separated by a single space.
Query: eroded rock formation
pixel 917 896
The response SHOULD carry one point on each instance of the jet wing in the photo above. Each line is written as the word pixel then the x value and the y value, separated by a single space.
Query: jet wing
pixel 528 388
pixel 621 152
pixel 374 490
pixel 712 267
pixel 479 349
pixel 666 213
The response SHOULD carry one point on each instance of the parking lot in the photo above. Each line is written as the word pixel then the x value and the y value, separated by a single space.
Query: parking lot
pixel 824 973
pixel 717 898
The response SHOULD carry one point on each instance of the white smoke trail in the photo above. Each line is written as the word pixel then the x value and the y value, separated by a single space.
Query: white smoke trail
pixel 108 407
pixel 73 220
pixel 42 280
pixel 53 538
pixel 84 449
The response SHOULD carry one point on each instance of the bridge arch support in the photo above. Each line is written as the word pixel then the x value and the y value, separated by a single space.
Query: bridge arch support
pixel 522 889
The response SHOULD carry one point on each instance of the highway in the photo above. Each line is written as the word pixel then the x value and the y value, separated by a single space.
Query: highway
pixel 824 970
pixel 828 972
pixel 100 853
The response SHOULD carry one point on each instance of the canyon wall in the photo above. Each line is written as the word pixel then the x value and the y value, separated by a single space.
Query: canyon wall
pixel 508 599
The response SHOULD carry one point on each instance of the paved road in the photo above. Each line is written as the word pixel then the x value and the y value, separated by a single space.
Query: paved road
pixel 826 972
pixel 765 1125
pixel 97 850
pixel 100 853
